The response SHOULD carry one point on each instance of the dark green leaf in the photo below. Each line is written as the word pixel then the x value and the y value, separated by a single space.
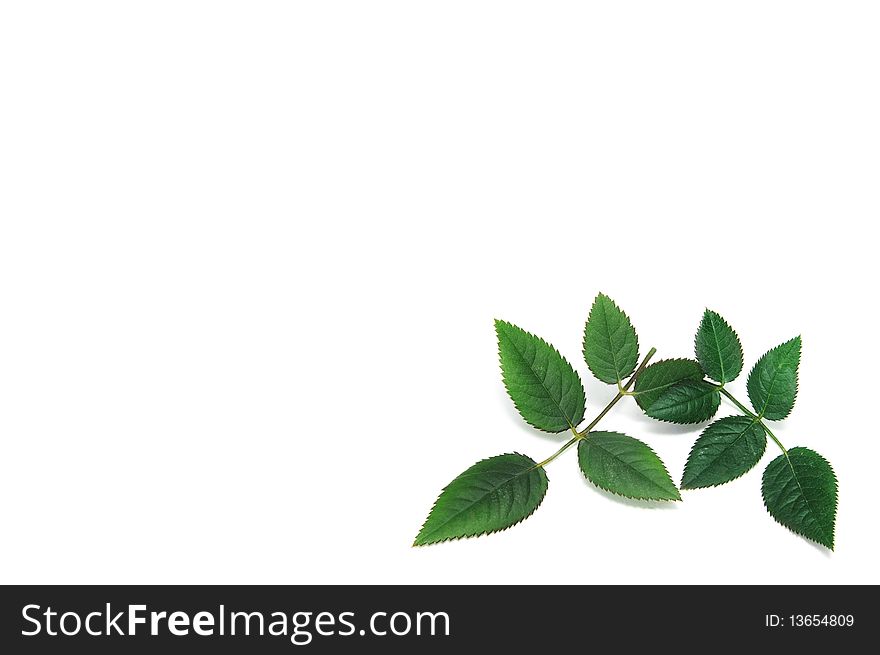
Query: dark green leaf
pixel 718 348
pixel 691 401
pixel 544 387
pixel 800 492
pixel 625 466
pixel 725 450
pixel 662 375
pixel 491 495
pixel 611 346
pixel 772 384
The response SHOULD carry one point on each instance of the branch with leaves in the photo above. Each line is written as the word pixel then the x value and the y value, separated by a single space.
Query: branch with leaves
pixel 799 486
pixel 499 492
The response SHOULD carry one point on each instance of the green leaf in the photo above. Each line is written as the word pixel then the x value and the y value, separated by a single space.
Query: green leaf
pixel 725 450
pixel 625 466
pixel 611 346
pixel 544 387
pixel 662 375
pixel 491 495
pixel 718 348
pixel 772 384
pixel 800 492
pixel 691 401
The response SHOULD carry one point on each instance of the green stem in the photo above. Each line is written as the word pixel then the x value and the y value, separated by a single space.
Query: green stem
pixel 745 410
pixel 773 436
pixel 620 394
pixel 568 444
pixel 622 391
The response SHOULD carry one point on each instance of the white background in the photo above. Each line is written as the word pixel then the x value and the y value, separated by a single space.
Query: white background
pixel 250 254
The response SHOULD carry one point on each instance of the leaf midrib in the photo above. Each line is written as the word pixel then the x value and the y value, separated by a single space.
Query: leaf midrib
pixel 471 504
pixel 816 520
pixel 718 348
pixel 593 442
pixel 728 446
pixel 611 347
pixel 538 378
pixel 707 390
pixel 783 363
pixel 663 386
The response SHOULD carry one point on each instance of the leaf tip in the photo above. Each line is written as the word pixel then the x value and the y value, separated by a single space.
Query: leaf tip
pixel 828 543
pixel 421 538
pixel 794 342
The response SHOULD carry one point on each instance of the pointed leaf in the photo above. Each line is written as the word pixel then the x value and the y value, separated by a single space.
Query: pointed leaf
pixel 662 375
pixel 691 401
pixel 772 383
pixel 544 387
pixel 718 348
pixel 725 450
pixel 800 492
pixel 625 466
pixel 491 495
pixel 611 346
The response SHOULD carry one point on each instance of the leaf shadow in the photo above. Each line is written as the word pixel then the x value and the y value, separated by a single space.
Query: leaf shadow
pixel 820 548
pixel 630 502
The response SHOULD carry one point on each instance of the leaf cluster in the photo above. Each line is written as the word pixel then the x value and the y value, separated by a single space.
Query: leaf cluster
pixel 499 492
pixel 799 486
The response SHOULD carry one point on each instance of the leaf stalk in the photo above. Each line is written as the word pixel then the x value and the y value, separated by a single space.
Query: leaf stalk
pixel 745 410
pixel 622 391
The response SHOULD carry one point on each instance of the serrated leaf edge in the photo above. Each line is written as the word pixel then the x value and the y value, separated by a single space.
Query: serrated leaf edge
pixel 666 420
pixel 507 389
pixel 584 345
pixel 836 498
pixel 710 312
pixel 796 378
pixel 671 384
pixel 718 484
pixel 617 493
pixel 471 535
